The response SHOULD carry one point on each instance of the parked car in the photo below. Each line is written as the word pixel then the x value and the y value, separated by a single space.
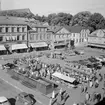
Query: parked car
pixel 4 101
pixel 25 99
pixel 77 52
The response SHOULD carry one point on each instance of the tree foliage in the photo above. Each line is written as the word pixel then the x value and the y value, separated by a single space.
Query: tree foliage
pixel 96 21
pixel 59 19
pixel 81 19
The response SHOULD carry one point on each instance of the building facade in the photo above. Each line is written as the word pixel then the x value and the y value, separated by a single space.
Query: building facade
pixel 65 35
pixel 61 36
pixel 97 39
pixel 39 38
pixel 13 33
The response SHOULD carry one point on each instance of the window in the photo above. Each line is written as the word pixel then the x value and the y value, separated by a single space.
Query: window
pixel 44 36
pixel 12 29
pixel 18 29
pixel 77 41
pixel 40 36
pixel 23 29
pixel 0 29
pixel 47 36
pixel 1 38
pixel 38 29
pixel 36 36
pixel 31 36
pixel 18 37
pixel 82 40
pixel 7 29
pixel 23 37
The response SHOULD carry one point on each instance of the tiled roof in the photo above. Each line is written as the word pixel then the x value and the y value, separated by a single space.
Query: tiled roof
pixel 11 20
pixel 18 10
pixel 54 28
pixel 76 29
pixel 72 29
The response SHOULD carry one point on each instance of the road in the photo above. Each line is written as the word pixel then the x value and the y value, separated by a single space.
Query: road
pixel 10 88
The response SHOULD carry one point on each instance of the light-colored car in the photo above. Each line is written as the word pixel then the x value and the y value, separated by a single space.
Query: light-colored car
pixel 4 101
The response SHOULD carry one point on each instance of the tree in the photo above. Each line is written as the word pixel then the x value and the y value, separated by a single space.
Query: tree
pixel 59 19
pixel 81 19
pixel 96 21
pixel 51 17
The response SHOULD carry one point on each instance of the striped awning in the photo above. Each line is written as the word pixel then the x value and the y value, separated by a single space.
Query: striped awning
pixel 19 46
pixel 40 44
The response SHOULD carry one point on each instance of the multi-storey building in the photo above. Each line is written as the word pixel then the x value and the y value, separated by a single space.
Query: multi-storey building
pixel 13 34
pixel 97 39
pixel 65 35
pixel 61 36
pixel 39 37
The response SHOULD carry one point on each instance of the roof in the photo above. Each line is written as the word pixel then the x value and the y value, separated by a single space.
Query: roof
pixel 54 28
pixel 17 10
pixel 72 29
pixel 11 20
pixel 98 33
pixel 63 77
pixel 2 99
pixel 76 29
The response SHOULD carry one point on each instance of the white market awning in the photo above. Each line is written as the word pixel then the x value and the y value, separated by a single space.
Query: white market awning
pixel 19 46
pixel 2 47
pixel 40 44
pixel 63 77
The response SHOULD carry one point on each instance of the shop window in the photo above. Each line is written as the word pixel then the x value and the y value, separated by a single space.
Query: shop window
pixel 1 38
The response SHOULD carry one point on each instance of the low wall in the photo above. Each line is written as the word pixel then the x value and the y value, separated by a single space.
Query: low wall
pixel 42 85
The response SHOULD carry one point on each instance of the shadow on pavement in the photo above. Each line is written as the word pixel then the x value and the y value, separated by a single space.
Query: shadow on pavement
pixel 12 101
pixel 102 102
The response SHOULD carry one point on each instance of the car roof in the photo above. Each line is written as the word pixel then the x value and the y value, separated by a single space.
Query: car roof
pixel 2 99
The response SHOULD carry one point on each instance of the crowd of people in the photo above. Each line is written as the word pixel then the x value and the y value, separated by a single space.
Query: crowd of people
pixel 33 67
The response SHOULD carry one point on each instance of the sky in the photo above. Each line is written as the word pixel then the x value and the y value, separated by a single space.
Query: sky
pixel 45 7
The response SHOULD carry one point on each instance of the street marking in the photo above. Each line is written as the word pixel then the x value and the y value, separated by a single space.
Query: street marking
pixel 18 89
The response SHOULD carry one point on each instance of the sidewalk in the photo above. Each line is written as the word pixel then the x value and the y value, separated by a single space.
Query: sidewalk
pixel 41 99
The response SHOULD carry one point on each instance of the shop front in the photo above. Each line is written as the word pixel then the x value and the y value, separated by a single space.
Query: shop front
pixel 19 48
pixel 2 50
pixel 40 46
